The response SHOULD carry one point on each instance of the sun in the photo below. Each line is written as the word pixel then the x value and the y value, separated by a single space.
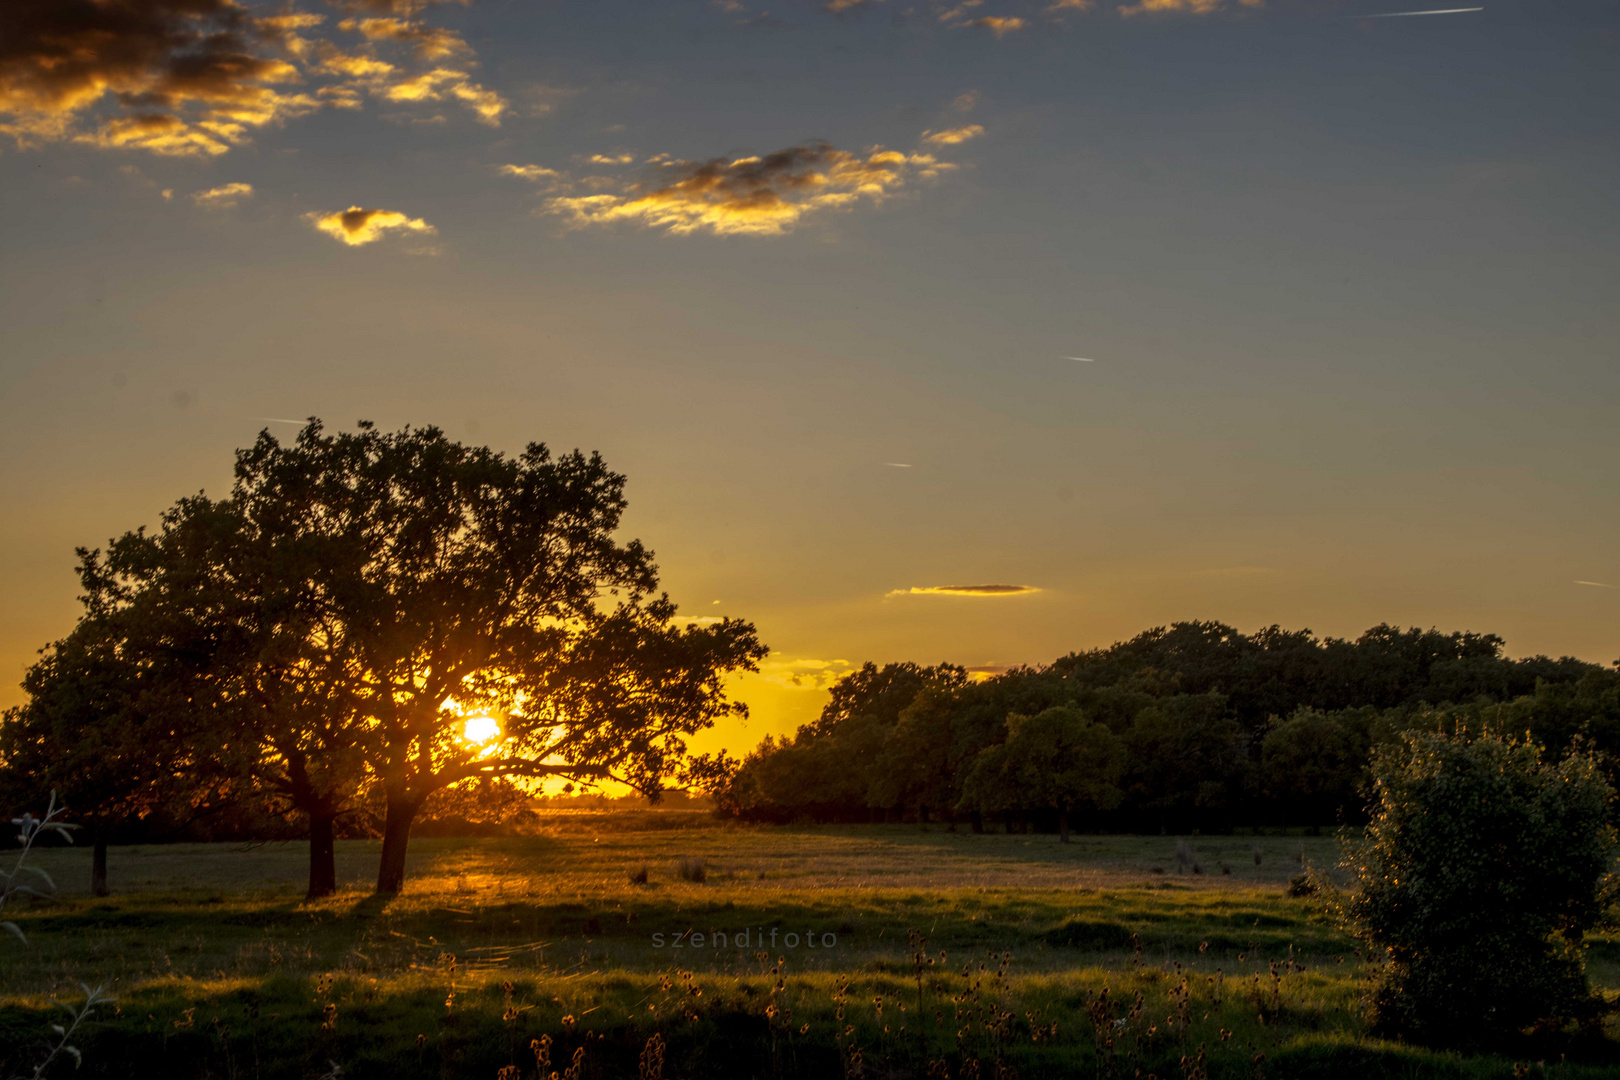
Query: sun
pixel 481 729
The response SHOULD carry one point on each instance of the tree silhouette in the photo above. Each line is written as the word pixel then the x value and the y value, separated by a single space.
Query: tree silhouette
pixel 360 595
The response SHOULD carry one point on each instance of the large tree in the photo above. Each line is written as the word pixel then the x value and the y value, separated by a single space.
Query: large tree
pixel 372 591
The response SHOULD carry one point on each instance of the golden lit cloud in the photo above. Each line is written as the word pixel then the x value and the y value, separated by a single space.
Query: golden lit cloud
pixel 222 197
pixel 953 136
pixel 442 84
pixel 750 196
pixel 804 674
pixel 998 25
pixel 535 173
pixel 196 77
pixel 1182 7
pixel 428 42
pixel 356 226
pixel 966 590
pixel 180 77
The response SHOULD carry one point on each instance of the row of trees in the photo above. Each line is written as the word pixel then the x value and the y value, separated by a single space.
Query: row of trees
pixel 316 641
pixel 1192 726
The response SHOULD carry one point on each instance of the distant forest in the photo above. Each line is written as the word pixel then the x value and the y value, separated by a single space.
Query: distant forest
pixel 1192 727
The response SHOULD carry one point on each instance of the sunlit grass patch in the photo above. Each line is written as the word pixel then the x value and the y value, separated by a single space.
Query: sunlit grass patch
pixel 498 943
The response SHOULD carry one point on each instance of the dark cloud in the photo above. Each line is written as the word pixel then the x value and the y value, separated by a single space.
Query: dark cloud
pixel 760 196
pixel 184 76
pixel 966 590
pixel 195 77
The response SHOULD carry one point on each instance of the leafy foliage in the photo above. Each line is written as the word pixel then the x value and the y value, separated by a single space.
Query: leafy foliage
pixel 1483 868
pixel 1218 727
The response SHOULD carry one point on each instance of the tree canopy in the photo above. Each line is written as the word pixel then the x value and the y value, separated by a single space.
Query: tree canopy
pixel 359 595
pixel 1216 727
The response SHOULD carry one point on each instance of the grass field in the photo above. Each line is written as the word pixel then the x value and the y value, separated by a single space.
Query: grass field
pixel 912 954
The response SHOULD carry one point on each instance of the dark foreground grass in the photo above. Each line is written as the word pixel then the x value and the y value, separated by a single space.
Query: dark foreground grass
pixel 934 955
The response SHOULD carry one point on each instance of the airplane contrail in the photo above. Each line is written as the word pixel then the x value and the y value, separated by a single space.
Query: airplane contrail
pixel 1410 14
pixel 896 465
pixel 279 420
pixel 1082 359
pixel 1599 584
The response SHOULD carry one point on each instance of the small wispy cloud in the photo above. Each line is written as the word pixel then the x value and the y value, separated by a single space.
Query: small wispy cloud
pixel 897 464
pixel 1182 7
pixel 222 197
pixel 965 590
pixel 357 225
pixel 953 136
pixel 529 172
pixel 1596 584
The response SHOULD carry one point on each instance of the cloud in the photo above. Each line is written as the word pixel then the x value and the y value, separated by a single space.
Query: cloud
pixel 395 7
pixel 222 197
pixel 999 25
pixel 180 77
pixel 356 226
pixel 195 78
pixel 1187 7
pixel 442 84
pixel 535 173
pixel 1070 5
pixel 953 136
pixel 804 673
pixel 1595 584
pixel 838 7
pixel 966 101
pixel 748 196
pixel 966 590
pixel 427 42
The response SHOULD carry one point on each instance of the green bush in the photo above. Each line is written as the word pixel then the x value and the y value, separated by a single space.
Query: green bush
pixel 1481 870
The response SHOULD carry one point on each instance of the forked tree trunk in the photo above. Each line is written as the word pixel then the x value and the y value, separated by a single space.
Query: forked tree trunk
pixel 98 863
pixel 396 838
pixel 1063 826
pixel 322 856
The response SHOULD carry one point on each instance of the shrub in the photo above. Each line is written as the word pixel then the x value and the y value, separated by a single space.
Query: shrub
pixel 1481 870
pixel 692 870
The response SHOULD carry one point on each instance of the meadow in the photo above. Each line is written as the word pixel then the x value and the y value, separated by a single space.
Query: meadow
pixel 873 950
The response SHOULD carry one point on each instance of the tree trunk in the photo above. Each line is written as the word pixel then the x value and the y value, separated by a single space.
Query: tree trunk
pixel 396 838
pixel 322 861
pixel 978 821
pixel 1009 823
pixel 98 863
pixel 1063 826
pixel 922 814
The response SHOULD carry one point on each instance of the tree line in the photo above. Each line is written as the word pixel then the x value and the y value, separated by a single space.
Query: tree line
pixel 307 650
pixel 1191 726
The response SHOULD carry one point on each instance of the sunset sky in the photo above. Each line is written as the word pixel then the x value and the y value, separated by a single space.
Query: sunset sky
pixel 1186 309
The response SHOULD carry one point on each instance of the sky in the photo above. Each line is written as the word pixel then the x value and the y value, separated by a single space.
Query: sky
pixel 1296 312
